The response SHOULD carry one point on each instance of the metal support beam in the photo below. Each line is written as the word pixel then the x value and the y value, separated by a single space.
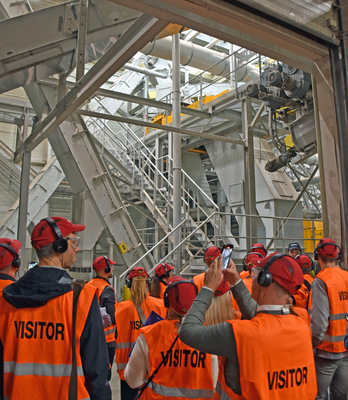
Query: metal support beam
pixel 249 168
pixel 177 214
pixel 140 33
pixel 82 40
pixel 136 99
pixel 24 195
pixel 167 128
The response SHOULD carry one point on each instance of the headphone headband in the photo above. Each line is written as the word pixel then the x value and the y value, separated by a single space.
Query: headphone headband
pixel 265 277
pixel 107 268
pixel 171 286
pixel 60 245
pixel 321 245
pixel 16 262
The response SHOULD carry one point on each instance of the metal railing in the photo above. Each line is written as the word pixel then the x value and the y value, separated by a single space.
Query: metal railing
pixel 280 242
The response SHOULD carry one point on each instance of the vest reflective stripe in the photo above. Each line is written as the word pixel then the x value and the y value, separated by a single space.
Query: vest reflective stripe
pixel 333 339
pixel 336 281
pixel 181 392
pixel 11 367
pixel 128 326
pixel 222 394
pixel 222 391
pixel 101 284
pixel 336 317
pixel 110 330
pixel 127 345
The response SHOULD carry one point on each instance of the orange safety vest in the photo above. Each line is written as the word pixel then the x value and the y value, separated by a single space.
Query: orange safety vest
pixel 5 282
pixel 302 296
pixel 198 280
pixel 222 391
pixel 336 281
pixel 162 290
pixel 244 274
pixel 101 284
pixel 248 282
pixel 37 347
pixel 275 356
pixel 187 373
pixel 128 326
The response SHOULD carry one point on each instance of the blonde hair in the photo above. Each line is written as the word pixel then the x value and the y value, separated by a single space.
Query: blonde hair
pixel 139 289
pixel 220 310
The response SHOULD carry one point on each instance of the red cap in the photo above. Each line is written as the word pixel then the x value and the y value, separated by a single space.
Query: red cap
pixel 327 248
pixel 285 271
pixel 6 257
pixel 138 271
pixel 43 233
pixel 180 295
pixel 304 261
pixel 161 269
pixel 101 263
pixel 251 260
pixel 223 288
pixel 211 253
pixel 258 248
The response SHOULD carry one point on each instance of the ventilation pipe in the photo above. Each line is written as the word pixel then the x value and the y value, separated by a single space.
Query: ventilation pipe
pixel 201 58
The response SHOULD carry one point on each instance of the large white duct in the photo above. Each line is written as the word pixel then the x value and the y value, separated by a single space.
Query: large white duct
pixel 201 58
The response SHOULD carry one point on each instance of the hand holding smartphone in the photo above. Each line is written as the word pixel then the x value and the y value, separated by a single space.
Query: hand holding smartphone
pixel 226 252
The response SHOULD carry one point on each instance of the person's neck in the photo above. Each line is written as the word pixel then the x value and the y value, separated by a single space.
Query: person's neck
pixel 9 271
pixel 55 261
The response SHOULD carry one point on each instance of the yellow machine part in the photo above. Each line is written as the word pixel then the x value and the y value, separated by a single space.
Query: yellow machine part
pixel 126 293
pixel 312 231
pixel 162 119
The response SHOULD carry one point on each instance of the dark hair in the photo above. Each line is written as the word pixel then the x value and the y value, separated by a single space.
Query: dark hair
pixel 45 252
pixel 155 287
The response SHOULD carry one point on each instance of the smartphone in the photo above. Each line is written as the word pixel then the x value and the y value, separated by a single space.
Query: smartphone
pixel 226 252
pixel 31 264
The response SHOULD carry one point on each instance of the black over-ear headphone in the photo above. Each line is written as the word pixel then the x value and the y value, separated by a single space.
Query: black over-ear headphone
pixel 265 277
pixel 316 255
pixel 170 287
pixel 166 274
pixel 107 268
pixel 60 245
pixel 16 262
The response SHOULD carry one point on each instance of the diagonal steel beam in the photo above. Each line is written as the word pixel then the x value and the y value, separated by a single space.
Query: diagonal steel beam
pixel 144 29
pixel 168 128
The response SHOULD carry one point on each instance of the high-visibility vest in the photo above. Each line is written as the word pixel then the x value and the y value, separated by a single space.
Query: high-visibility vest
pixel 244 274
pixel 302 296
pixel 101 284
pixel 37 347
pixel 187 373
pixel 5 282
pixel 248 282
pixel 222 391
pixel 336 281
pixel 128 326
pixel 275 357
pixel 162 290
pixel 198 280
